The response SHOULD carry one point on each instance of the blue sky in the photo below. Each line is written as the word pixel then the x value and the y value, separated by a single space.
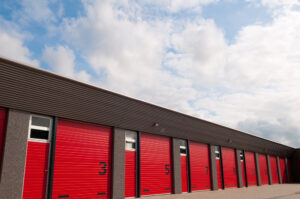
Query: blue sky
pixel 232 62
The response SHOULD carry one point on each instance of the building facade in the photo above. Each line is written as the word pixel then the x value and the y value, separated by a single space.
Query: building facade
pixel 60 138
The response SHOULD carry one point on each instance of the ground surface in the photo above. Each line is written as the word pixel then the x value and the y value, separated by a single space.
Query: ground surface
pixel 286 191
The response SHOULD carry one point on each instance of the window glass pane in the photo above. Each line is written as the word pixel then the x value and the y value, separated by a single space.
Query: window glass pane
pixel 183 151
pixel 40 121
pixel 130 136
pixel 39 134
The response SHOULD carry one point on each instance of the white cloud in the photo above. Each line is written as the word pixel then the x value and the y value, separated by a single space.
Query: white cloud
pixel 12 44
pixel 62 60
pixel 36 10
pixel 178 5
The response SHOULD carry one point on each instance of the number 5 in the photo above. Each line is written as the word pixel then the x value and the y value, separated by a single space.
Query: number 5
pixel 167 169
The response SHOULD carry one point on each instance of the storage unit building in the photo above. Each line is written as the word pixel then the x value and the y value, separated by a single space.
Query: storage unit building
pixel 60 138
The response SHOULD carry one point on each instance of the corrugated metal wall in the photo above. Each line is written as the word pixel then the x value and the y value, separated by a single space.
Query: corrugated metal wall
pixel 33 90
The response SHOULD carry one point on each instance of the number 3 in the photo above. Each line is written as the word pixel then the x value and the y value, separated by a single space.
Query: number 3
pixel 104 168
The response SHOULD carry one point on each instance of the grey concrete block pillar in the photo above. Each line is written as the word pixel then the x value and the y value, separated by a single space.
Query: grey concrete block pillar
pixel 177 187
pixel 278 169
pixel 257 169
pixel 118 164
pixel 239 168
pixel 287 170
pixel 269 170
pixel 213 168
pixel 14 155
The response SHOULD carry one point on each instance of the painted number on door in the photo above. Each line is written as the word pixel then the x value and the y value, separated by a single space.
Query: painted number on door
pixel 167 169
pixel 103 167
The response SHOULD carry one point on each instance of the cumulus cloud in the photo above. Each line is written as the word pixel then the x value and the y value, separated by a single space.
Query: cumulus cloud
pixel 12 44
pixel 62 60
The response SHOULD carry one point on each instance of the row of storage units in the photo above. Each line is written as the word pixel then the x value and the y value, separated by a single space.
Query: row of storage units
pixel 82 162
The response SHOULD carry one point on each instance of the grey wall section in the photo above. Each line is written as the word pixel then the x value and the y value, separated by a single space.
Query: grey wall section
pixel 29 89
pixel 269 170
pixel 257 169
pixel 14 156
pixel 213 168
pixel 279 171
pixel 287 170
pixel 239 168
pixel 177 187
pixel 118 164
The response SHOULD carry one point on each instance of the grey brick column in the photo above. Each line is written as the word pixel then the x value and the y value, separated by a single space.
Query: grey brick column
pixel 177 187
pixel 257 169
pixel 213 168
pixel 279 171
pixel 118 164
pixel 14 155
pixel 269 170
pixel 239 168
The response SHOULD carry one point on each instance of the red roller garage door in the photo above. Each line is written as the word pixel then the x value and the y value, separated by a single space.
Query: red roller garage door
pixel 155 163
pixel 283 170
pixel 200 167
pixel 229 167
pixel 264 175
pixel 274 170
pixel 184 178
pixel 2 131
pixel 251 169
pixel 82 168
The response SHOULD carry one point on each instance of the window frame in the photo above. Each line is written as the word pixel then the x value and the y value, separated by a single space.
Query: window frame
pixel 130 140
pixel 42 128
pixel 218 151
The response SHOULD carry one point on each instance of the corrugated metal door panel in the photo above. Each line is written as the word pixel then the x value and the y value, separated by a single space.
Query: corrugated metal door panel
pixel 184 178
pixel 82 168
pixel 289 162
pixel 219 174
pixel 200 167
pixel 283 170
pixel 229 167
pixel 2 131
pixel 130 173
pixel 35 179
pixel 274 170
pixel 263 167
pixel 243 173
pixel 251 169
pixel 155 163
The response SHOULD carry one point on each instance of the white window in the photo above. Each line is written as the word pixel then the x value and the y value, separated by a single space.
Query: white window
pixel 241 155
pixel 217 151
pixel 40 128
pixel 130 140
pixel 183 150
